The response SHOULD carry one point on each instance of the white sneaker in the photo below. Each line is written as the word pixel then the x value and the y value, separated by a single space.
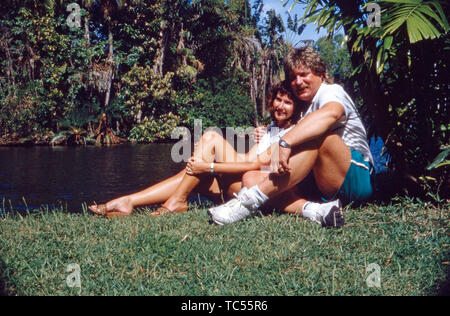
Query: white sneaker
pixel 233 211
pixel 332 215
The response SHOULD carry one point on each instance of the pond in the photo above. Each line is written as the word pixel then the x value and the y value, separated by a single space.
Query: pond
pixel 31 177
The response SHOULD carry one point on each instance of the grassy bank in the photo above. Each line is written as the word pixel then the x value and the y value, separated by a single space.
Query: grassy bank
pixel 184 255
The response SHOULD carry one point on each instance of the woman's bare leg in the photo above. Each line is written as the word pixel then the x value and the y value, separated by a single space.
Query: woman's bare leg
pixel 175 190
pixel 211 148
pixel 155 194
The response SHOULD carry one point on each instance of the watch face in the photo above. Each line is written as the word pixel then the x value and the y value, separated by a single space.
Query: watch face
pixel 284 144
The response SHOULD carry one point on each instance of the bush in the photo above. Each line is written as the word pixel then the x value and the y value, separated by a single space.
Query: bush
pixel 217 103
pixel 154 130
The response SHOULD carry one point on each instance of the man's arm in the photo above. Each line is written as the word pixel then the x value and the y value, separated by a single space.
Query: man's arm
pixel 315 125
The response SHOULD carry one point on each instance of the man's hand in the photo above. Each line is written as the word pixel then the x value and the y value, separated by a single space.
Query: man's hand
pixel 279 164
pixel 196 166
pixel 283 164
pixel 259 133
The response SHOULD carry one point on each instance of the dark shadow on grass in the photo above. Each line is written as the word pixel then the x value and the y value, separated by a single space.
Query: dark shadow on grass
pixel 3 288
pixel 444 287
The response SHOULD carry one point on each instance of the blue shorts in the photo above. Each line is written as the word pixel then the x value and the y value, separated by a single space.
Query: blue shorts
pixel 357 186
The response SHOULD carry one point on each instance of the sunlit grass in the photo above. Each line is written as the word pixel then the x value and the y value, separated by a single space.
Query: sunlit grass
pixel 185 255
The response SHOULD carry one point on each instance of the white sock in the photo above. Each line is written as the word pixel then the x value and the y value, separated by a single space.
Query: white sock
pixel 311 211
pixel 255 197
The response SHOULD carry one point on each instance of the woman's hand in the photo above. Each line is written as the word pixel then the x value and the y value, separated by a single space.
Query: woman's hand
pixel 259 133
pixel 196 166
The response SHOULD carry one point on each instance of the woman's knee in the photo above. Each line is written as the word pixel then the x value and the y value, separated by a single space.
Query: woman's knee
pixel 210 136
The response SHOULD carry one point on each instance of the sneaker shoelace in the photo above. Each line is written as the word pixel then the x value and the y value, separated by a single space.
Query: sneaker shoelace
pixel 233 203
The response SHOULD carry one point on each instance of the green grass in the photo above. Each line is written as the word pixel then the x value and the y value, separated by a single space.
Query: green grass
pixel 183 254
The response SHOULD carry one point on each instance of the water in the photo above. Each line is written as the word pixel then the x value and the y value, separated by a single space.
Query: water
pixel 31 177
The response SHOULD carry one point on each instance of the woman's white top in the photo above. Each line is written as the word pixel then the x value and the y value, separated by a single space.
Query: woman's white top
pixel 273 135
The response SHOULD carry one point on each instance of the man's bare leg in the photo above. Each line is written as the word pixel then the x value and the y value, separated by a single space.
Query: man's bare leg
pixel 329 160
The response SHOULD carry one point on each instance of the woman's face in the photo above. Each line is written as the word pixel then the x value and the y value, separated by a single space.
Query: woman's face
pixel 283 108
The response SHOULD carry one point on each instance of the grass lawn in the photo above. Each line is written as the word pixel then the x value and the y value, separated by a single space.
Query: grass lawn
pixel 184 255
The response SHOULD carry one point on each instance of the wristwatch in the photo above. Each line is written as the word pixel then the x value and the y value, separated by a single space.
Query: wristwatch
pixel 284 144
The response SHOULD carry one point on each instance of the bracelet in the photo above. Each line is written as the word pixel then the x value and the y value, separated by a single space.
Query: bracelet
pixel 211 168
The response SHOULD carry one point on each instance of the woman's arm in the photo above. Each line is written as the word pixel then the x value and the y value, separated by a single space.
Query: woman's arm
pixel 198 166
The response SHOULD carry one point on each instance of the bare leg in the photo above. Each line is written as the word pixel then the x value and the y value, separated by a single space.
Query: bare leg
pixel 211 148
pixel 175 190
pixel 290 202
pixel 329 159
pixel 155 194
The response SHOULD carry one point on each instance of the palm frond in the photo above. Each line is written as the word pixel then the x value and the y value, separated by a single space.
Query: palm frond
pixel 422 19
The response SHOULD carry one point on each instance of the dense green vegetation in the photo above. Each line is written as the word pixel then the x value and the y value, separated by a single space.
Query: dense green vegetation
pixel 184 255
pixel 135 61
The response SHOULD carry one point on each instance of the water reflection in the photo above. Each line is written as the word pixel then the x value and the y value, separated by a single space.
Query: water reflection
pixel 69 176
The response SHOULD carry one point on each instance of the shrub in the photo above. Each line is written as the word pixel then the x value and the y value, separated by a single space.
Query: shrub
pixel 218 103
pixel 154 130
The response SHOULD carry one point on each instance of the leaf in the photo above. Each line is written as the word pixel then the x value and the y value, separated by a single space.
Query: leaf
pixel 439 159
pixel 445 163
pixel 388 42
pixel 419 18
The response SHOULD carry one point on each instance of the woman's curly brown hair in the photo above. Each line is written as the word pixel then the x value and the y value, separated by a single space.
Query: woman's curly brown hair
pixel 283 88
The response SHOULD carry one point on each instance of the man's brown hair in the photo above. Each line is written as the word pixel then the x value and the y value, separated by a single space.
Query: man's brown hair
pixel 307 57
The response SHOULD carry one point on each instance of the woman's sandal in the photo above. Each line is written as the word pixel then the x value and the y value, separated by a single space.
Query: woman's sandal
pixel 164 211
pixel 101 210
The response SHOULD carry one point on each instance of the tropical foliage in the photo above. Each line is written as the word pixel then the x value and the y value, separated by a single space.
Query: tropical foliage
pixel 401 70
pixel 63 66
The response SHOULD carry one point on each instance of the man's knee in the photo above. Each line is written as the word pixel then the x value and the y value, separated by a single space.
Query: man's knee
pixel 252 178
pixel 330 144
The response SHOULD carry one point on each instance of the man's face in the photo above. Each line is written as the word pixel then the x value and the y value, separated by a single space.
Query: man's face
pixel 304 83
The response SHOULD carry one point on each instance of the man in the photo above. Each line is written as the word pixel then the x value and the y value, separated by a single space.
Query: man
pixel 329 144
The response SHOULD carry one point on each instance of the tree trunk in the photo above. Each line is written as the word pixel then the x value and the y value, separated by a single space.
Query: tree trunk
pixel 110 62
pixel 10 70
pixel 158 67
pixel 263 86
pixel 253 92
pixel 87 37
pixel 181 47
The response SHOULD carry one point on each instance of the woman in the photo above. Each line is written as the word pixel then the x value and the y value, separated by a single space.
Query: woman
pixel 214 168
